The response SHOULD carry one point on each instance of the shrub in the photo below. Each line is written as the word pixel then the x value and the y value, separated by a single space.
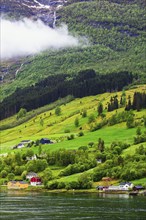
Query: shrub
pixel 61 185
pixel 84 113
pixel 76 122
pixel 91 118
pixel 71 137
pixel 81 134
pixel 74 185
pixel 11 176
pixel 3 173
pixel 58 111
pixel 52 185
pixel 67 130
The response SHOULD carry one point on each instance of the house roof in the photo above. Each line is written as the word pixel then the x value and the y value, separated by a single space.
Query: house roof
pixel 14 181
pixel 45 139
pixel 25 141
pixel 139 187
pixel 35 179
pixel 31 174
pixel 124 183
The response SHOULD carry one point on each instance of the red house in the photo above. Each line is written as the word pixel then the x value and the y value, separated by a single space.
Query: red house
pixel 35 181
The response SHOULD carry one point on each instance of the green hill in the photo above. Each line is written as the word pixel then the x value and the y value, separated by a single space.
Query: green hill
pixel 94 137
pixel 115 31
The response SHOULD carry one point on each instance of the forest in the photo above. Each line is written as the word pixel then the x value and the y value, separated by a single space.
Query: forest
pixel 85 83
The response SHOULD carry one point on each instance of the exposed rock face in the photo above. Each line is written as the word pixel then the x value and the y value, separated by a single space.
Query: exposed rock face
pixel 34 9
pixel 44 10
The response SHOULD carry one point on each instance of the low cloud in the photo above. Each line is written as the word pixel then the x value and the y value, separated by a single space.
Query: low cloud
pixel 26 37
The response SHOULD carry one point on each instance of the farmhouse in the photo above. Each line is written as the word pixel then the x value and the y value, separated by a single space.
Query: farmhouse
pixel 18 146
pixel 45 141
pixel 35 181
pixel 126 186
pixel 17 185
pixel 122 187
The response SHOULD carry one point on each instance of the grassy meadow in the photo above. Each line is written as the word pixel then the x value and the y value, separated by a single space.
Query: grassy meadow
pixel 57 128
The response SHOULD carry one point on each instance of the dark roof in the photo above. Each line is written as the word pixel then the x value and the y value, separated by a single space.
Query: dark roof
pixel 139 187
pixel 22 182
pixel 45 139
pixel 122 184
pixel 26 141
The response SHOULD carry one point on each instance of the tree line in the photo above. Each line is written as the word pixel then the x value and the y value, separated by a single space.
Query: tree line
pixel 85 83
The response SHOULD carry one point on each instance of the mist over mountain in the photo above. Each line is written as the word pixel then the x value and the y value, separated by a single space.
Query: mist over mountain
pixel 115 30
pixel 27 37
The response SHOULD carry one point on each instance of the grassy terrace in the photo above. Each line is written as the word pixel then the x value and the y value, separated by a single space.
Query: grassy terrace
pixel 59 127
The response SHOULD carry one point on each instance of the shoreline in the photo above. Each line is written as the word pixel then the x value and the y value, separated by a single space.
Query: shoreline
pixel 73 191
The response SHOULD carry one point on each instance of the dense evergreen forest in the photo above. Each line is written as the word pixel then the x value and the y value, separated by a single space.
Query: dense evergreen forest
pixel 84 83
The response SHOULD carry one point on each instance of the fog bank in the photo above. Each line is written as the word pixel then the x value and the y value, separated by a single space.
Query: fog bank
pixel 26 37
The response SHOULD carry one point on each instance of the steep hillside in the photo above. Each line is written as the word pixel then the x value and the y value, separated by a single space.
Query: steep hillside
pixel 87 141
pixel 44 122
pixel 115 31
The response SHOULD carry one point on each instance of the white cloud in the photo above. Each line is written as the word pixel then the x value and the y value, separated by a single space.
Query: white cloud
pixel 26 37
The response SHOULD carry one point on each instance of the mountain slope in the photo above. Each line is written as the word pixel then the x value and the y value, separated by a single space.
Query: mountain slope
pixel 91 149
pixel 116 34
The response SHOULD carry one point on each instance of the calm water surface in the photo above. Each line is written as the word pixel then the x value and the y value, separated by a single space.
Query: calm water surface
pixel 34 206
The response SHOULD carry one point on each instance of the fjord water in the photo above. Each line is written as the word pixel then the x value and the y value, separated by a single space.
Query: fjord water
pixel 40 206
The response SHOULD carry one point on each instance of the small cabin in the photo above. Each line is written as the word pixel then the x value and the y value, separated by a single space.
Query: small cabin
pixel 137 188
pixel 35 181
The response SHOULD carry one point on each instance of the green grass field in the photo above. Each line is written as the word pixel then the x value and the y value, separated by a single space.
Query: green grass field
pixel 55 127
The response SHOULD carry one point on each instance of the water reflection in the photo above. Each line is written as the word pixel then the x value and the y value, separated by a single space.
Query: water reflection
pixel 109 195
pixel 48 206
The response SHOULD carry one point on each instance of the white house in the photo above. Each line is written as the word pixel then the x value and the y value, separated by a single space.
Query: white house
pixel 113 188
pixel 20 146
pixel 34 157
pixel 126 186
pixel 122 187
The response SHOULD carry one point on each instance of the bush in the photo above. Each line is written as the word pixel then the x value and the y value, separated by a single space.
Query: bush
pixel 21 113
pixel 84 113
pixel 58 111
pixel 52 185
pixel 73 185
pixel 67 131
pixel 71 137
pixel 91 144
pixel 81 134
pixel 3 173
pixel 76 122
pixel 11 176
pixel 84 148
pixel 61 185
pixel 85 181
pixel 91 118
